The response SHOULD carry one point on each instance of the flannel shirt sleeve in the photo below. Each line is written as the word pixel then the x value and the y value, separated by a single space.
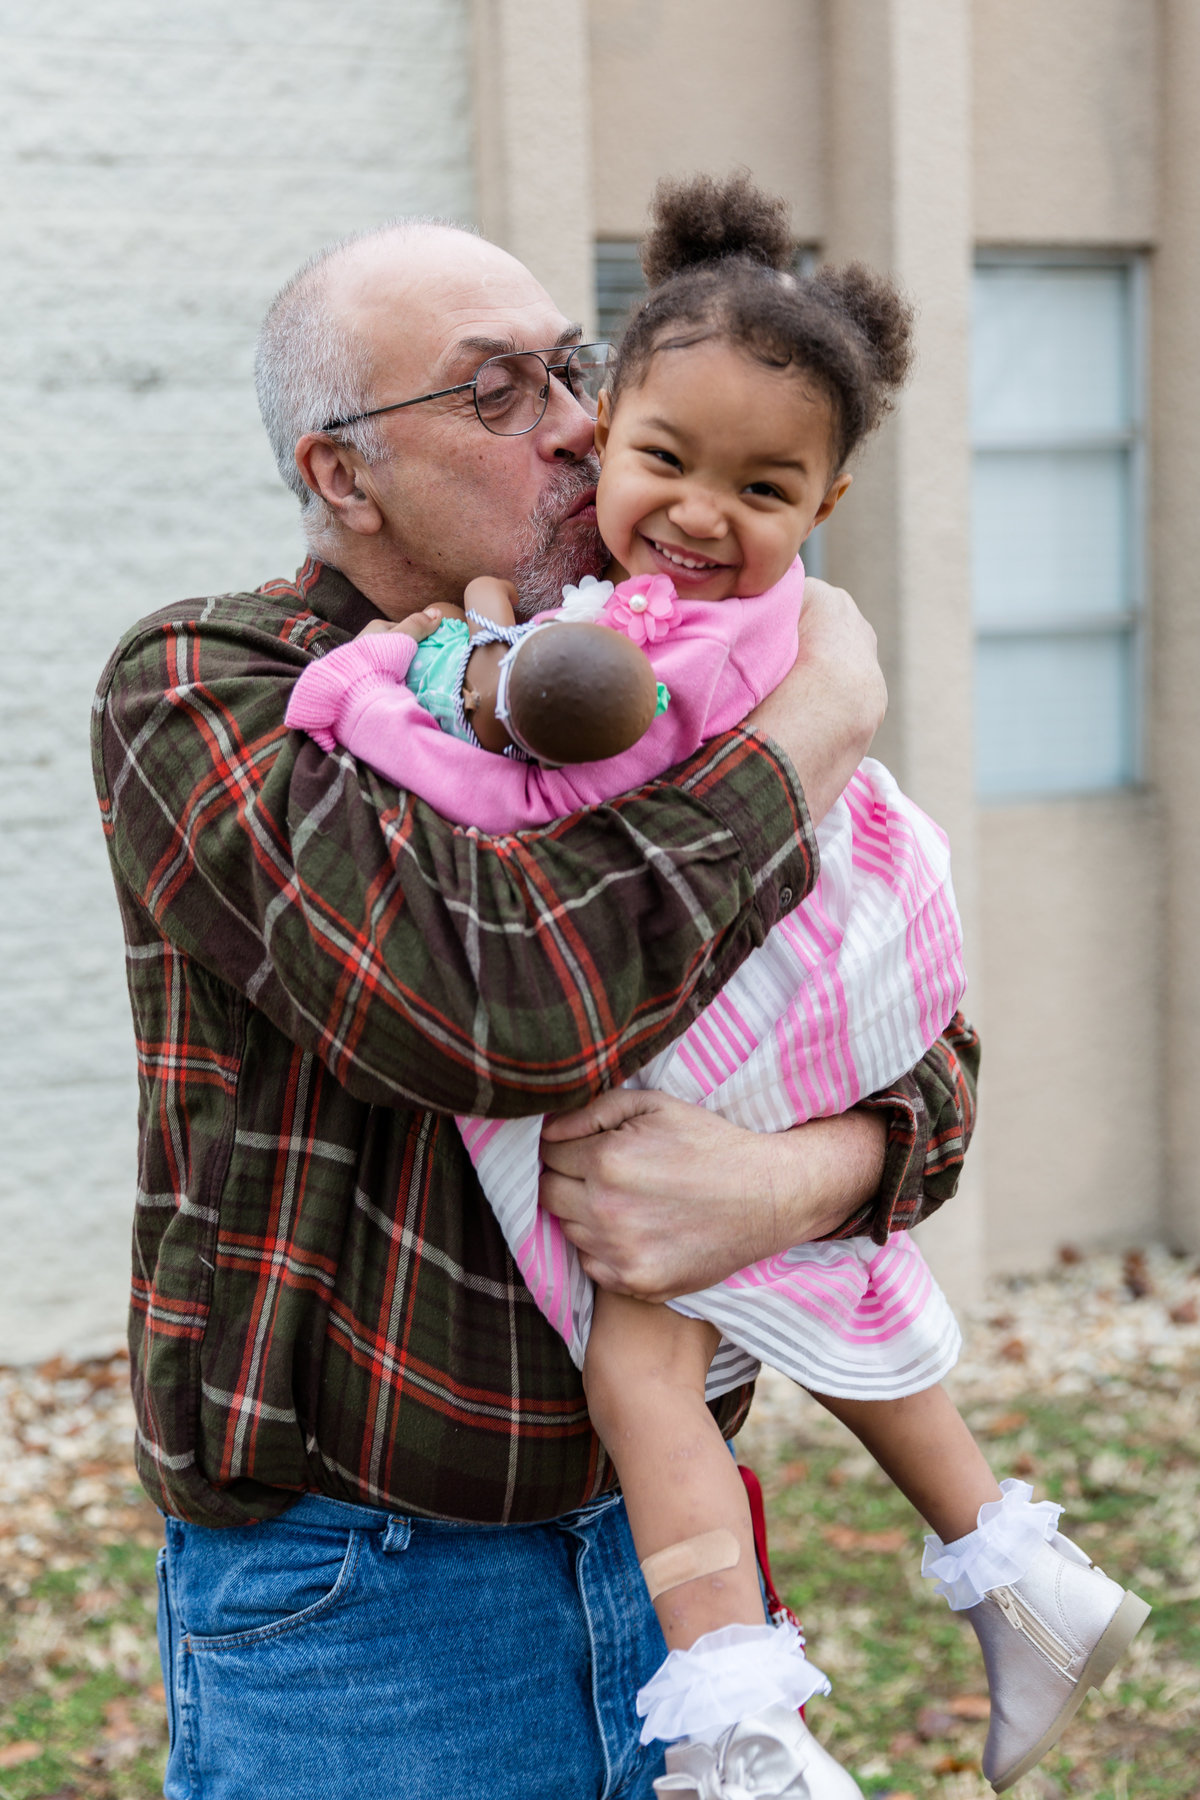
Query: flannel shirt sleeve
pixel 930 1116
pixel 426 964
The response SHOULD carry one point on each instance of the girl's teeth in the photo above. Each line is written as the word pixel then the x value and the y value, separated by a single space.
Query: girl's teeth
pixel 683 561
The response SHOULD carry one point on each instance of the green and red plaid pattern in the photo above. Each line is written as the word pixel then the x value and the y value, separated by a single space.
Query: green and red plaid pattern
pixel 321 971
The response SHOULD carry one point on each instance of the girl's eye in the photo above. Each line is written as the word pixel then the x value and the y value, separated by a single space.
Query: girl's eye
pixel 765 489
pixel 666 456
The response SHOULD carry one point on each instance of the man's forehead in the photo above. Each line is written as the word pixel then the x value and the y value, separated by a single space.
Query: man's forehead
pixel 446 298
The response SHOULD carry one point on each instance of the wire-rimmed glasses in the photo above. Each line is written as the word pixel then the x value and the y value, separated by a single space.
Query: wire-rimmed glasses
pixel 511 392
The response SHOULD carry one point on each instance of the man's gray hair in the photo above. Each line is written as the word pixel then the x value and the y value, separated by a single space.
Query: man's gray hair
pixel 310 367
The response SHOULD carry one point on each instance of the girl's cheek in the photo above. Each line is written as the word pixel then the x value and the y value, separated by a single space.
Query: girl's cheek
pixel 611 519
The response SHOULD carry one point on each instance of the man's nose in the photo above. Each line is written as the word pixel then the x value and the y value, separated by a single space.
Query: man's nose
pixel 568 430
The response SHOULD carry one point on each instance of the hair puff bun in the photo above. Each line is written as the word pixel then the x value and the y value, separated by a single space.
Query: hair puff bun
pixel 700 219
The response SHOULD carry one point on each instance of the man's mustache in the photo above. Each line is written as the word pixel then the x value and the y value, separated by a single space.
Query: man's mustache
pixel 565 487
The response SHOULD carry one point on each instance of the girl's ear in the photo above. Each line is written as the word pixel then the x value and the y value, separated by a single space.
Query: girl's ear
pixel 833 494
pixel 603 422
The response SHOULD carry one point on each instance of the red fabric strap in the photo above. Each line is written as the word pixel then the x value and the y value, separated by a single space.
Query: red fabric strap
pixel 779 1613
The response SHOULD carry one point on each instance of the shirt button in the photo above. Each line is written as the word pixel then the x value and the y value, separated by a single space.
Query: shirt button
pixel 785 896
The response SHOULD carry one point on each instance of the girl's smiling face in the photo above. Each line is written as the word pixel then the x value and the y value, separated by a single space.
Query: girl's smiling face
pixel 715 470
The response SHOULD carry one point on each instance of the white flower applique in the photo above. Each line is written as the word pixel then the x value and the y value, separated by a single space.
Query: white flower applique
pixel 586 601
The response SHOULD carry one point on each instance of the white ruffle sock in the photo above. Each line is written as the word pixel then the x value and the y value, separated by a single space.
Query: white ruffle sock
pixel 725 1677
pixel 998 1552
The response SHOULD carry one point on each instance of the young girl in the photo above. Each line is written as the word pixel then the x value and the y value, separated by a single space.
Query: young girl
pixel 738 394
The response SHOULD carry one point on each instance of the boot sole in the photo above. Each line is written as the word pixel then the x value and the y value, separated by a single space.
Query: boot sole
pixel 1116 1638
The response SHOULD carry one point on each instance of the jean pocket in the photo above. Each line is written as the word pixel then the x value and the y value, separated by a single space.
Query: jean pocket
pixel 251 1585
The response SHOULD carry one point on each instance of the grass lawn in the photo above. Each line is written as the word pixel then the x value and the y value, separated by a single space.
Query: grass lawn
pixel 81 1714
pixel 909 1710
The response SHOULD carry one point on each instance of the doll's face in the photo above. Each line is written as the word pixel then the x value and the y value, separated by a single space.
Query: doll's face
pixel 714 470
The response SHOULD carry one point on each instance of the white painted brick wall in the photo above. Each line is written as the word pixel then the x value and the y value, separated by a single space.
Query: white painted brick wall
pixel 164 168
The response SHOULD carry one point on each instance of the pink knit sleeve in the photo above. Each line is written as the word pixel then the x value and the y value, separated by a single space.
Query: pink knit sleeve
pixel 356 697
pixel 332 687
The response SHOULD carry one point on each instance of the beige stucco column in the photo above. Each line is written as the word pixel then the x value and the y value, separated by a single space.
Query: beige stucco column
pixel 1175 576
pixel 533 140
pixel 898 108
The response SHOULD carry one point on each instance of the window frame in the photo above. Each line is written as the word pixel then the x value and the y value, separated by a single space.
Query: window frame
pixel 1134 619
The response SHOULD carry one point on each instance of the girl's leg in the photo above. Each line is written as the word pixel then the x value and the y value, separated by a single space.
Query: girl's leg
pixel 644 1376
pixel 923 1444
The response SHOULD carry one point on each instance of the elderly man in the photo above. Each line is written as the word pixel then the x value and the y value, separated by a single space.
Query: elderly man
pixel 395 1566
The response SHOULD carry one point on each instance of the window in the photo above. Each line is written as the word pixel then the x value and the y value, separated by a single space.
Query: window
pixel 618 284
pixel 1056 524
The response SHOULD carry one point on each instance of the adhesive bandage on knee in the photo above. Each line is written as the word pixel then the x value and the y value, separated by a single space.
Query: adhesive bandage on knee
pixel 707 1554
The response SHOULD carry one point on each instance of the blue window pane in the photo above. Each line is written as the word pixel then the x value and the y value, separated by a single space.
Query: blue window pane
pixel 1050 536
pixel 1051 351
pixel 1054 714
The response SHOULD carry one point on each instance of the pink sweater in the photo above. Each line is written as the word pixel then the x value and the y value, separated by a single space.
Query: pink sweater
pixel 719 659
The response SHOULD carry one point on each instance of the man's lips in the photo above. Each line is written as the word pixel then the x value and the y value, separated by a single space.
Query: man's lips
pixel 585 506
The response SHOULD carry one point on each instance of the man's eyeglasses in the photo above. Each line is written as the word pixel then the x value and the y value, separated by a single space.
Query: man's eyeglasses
pixel 511 392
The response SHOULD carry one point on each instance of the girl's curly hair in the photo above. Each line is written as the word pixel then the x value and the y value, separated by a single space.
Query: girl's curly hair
pixel 718 260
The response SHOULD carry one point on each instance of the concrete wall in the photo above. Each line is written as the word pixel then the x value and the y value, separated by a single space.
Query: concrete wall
pixel 679 85
pixel 1066 149
pixel 165 167
pixel 1066 121
pixel 533 148
pixel 1071 903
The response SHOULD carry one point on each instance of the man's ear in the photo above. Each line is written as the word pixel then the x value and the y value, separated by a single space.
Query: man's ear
pixel 603 421
pixel 336 474
pixel 833 494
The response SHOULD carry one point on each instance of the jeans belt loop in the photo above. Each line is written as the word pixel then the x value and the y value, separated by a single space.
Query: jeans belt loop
pixel 396 1536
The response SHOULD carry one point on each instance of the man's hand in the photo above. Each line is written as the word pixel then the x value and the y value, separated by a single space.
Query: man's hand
pixel 826 711
pixel 662 1198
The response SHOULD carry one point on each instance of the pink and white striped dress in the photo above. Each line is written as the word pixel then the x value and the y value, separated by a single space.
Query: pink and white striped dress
pixel 841 999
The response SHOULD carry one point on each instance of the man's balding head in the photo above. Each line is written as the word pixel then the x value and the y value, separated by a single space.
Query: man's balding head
pixel 314 362
pixel 415 502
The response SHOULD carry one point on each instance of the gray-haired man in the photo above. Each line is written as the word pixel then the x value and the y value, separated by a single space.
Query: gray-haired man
pixel 394 1564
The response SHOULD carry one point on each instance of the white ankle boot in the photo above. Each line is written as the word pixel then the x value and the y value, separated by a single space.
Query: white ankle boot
pixel 772 1756
pixel 727 1710
pixel 1046 1640
pixel 1050 1624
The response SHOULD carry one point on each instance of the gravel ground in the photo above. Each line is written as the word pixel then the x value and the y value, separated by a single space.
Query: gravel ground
pixel 1104 1339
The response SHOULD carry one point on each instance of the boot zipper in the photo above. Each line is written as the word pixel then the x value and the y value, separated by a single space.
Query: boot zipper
pixel 1022 1619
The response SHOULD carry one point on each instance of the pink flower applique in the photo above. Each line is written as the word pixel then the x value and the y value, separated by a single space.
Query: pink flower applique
pixel 645 609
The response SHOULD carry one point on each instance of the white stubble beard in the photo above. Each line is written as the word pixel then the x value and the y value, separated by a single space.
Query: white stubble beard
pixel 555 549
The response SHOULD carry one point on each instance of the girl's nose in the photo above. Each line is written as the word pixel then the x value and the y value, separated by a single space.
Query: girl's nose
pixel 698 514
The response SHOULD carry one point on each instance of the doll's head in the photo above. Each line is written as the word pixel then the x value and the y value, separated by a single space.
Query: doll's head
pixel 739 393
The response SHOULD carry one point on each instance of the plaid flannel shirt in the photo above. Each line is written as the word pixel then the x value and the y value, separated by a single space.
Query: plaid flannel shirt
pixel 322 971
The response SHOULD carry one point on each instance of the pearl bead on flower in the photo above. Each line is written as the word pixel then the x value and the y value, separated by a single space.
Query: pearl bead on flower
pixel 638 603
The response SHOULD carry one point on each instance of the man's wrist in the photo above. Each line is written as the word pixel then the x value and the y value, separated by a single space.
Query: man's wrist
pixel 828 1173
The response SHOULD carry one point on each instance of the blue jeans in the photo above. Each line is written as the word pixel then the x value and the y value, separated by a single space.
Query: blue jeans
pixel 342 1653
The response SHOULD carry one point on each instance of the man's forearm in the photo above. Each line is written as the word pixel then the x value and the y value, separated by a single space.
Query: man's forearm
pixel 663 1198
